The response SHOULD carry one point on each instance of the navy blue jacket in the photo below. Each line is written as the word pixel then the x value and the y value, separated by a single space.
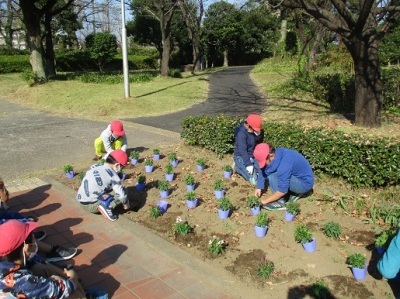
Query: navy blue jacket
pixel 245 143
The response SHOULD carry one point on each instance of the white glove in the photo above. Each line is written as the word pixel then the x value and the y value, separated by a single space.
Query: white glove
pixel 250 169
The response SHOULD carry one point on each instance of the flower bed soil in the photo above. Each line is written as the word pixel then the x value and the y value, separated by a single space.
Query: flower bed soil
pixel 295 269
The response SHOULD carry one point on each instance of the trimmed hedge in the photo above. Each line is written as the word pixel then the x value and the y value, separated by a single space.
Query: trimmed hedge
pixel 14 63
pixel 361 161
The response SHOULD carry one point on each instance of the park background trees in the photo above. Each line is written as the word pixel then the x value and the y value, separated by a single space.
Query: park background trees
pixel 202 33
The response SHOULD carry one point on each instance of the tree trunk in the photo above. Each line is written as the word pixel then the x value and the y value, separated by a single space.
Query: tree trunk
pixel 166 42
pixel 226 62
pixel 33 37
pixel 314 47
pixel 49 52
pixel 368 88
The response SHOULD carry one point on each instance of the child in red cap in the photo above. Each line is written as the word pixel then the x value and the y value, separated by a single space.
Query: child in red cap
pixel 112 138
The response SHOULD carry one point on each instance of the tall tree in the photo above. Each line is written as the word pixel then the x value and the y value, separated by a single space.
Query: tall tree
pixel 33 12
pixel 161 10
pixel 221 26
pixel 192 13
pixel 361 26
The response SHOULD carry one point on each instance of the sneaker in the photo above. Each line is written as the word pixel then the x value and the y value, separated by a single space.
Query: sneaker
pixel 59 253
pixel 39 235
pixel 107 213
pixel 97 158
pixel 252 180
pixel 296 197
pixel 274 206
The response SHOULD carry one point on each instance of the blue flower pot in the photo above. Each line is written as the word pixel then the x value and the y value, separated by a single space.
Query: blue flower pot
pixel 310 246
pixel 162 206
pixel 140 186
pixel 174 163
pixel 134 161
pixel 70 174
pixel 164 194
pixel 169 177
pixel 191 204
pixel 227 174
pixel 223 214
pixel 156 157
pixel 289 217
pixel 255 210
pixel 219 193
pixel 260 231
pixel 358 273
pixel 190 187
pixel 148 168
pixel 200 167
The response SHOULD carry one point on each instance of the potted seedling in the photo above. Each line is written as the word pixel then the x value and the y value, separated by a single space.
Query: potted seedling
pixel 261 226
pixel 201 164
pixel 224 207
pixel 155 212
pixel 134 157
pixel 292 209
pixel 332 229
pixel 141 182
pixel 69 171
pixel 156 154
pixel 358 265
pixel 227 171
pixel 254 203
pixel 169 172
pixel 382 241
pixel 191 199
pixel 189 181
pixel 173 159
pixel 303 235
pixel 148 165
pixel 218 188
pixel 163 186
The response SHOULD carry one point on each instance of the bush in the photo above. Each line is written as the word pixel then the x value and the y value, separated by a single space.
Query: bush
pixel 361 161
pixel 332 229
pixel 102 47
pixel 14 64
pixel 391 89
pixel 214 133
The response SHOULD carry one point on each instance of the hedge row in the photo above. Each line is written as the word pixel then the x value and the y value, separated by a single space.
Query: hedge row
pixel 361 161
pixel 76 61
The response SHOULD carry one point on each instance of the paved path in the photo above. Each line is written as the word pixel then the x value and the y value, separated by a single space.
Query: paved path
pixel 231 92
pixel 122 258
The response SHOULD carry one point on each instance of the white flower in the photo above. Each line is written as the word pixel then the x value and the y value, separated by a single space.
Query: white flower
pixel 178 219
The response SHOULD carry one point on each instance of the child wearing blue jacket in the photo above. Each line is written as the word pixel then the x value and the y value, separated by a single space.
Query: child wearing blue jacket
pixel 288 173
pixel 389 264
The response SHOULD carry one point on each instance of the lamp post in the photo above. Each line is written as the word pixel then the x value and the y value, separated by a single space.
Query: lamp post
pixel 125 52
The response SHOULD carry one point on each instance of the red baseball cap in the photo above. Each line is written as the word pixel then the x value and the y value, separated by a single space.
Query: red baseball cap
pixel 261 152
pixel 13 233
pixel 120 156
pixel 117 128
pixel 254 121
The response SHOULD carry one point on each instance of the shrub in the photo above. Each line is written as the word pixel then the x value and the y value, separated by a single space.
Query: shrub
pixel 216 245
pixel 189 179
pixel 253 201
pixel 224 204
pixel 102 47
pixel 201 161
pixel 262 219
pixel 182 227
pixel 357 260
pixel 265 268
pixel 172 156
pixel 332 229
pixel 214 133
pixel 384 238
pixel 169 168
pixel 149 162
pixel 320 290
pixel 293 207
pixel 302 234
pixel 134 155
pixel 218 184
pixel 141 179
pixel 175 74
pixel 163 185
pixel 191 195
pixel 154 212
pixel 156 151
pixel 369 161
pixel 67 168
pixel 14 63
pixel 227 168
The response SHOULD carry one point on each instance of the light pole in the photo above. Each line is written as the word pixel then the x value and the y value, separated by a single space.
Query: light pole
pixel 125 52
